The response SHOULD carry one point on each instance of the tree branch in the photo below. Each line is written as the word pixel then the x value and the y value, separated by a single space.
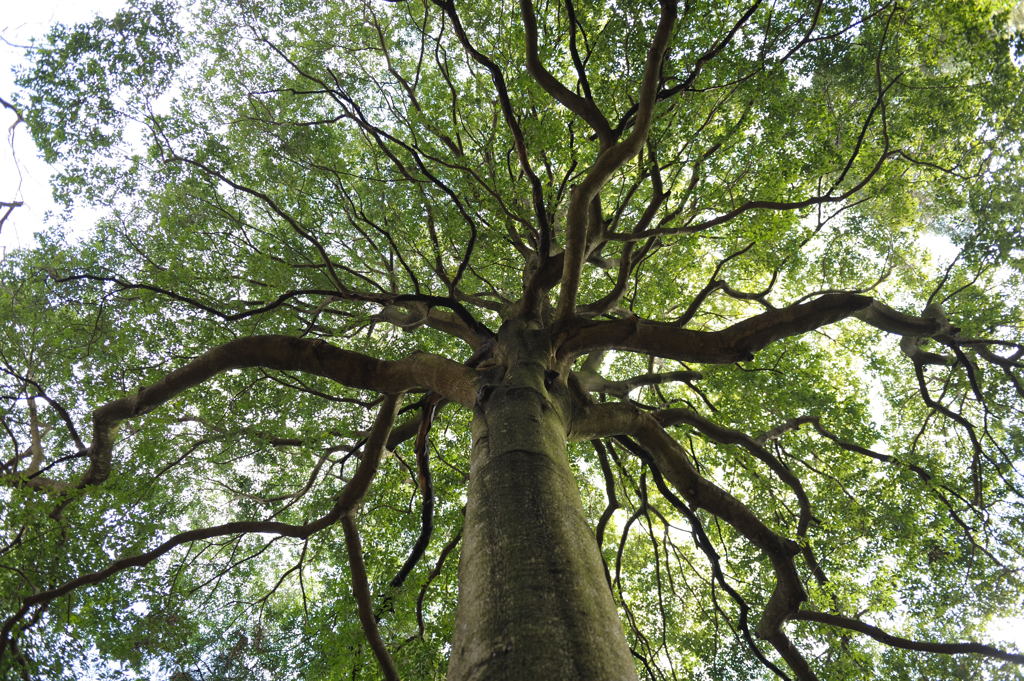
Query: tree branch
pixel 364 600
pixel 723 435
pixel 419 371
pixel 347 500
pixel 672 462
pixel 905 643
pixel 735 343
pixel 592 382
pixel 584 108
pixel 426 488
pixel 501 88
pixel 608 162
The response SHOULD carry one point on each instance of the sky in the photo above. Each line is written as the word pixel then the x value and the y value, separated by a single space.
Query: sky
pixel 23 175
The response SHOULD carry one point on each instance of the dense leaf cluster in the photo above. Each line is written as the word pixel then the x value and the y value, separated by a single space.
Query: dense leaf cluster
pixel 391 178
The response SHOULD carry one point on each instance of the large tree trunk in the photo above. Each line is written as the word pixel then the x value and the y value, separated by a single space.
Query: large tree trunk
pixel 534 603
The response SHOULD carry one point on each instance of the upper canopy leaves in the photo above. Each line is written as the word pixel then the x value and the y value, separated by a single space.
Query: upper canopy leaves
pixel 710 189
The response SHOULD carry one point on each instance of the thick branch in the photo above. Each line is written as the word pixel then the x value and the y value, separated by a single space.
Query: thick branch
pixel 735 343
pixel 723 435
pixel 593 382
pixel 608 162
pixel 660 450
pixel 584 108
pixel 881 316
pixel 906 643
pixel 419 371
pixel 364 600
pixel 740 341
pixel 788 593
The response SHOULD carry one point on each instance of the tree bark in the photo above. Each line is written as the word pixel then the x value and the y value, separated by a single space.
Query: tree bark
pixel 533 599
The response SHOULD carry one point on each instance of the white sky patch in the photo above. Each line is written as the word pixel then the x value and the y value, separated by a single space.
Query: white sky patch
pixel 23 174
pixel 941 248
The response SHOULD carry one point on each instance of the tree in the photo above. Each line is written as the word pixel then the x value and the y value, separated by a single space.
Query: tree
pixel 386 293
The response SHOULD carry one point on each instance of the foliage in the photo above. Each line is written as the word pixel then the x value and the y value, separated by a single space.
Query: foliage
pixel 389 178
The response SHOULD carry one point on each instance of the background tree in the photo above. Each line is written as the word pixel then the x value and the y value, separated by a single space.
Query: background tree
pixel 387 288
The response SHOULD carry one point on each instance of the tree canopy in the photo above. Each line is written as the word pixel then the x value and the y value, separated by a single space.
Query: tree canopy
pixel 772 251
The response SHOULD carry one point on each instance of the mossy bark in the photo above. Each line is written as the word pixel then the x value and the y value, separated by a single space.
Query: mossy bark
pixel 533 600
